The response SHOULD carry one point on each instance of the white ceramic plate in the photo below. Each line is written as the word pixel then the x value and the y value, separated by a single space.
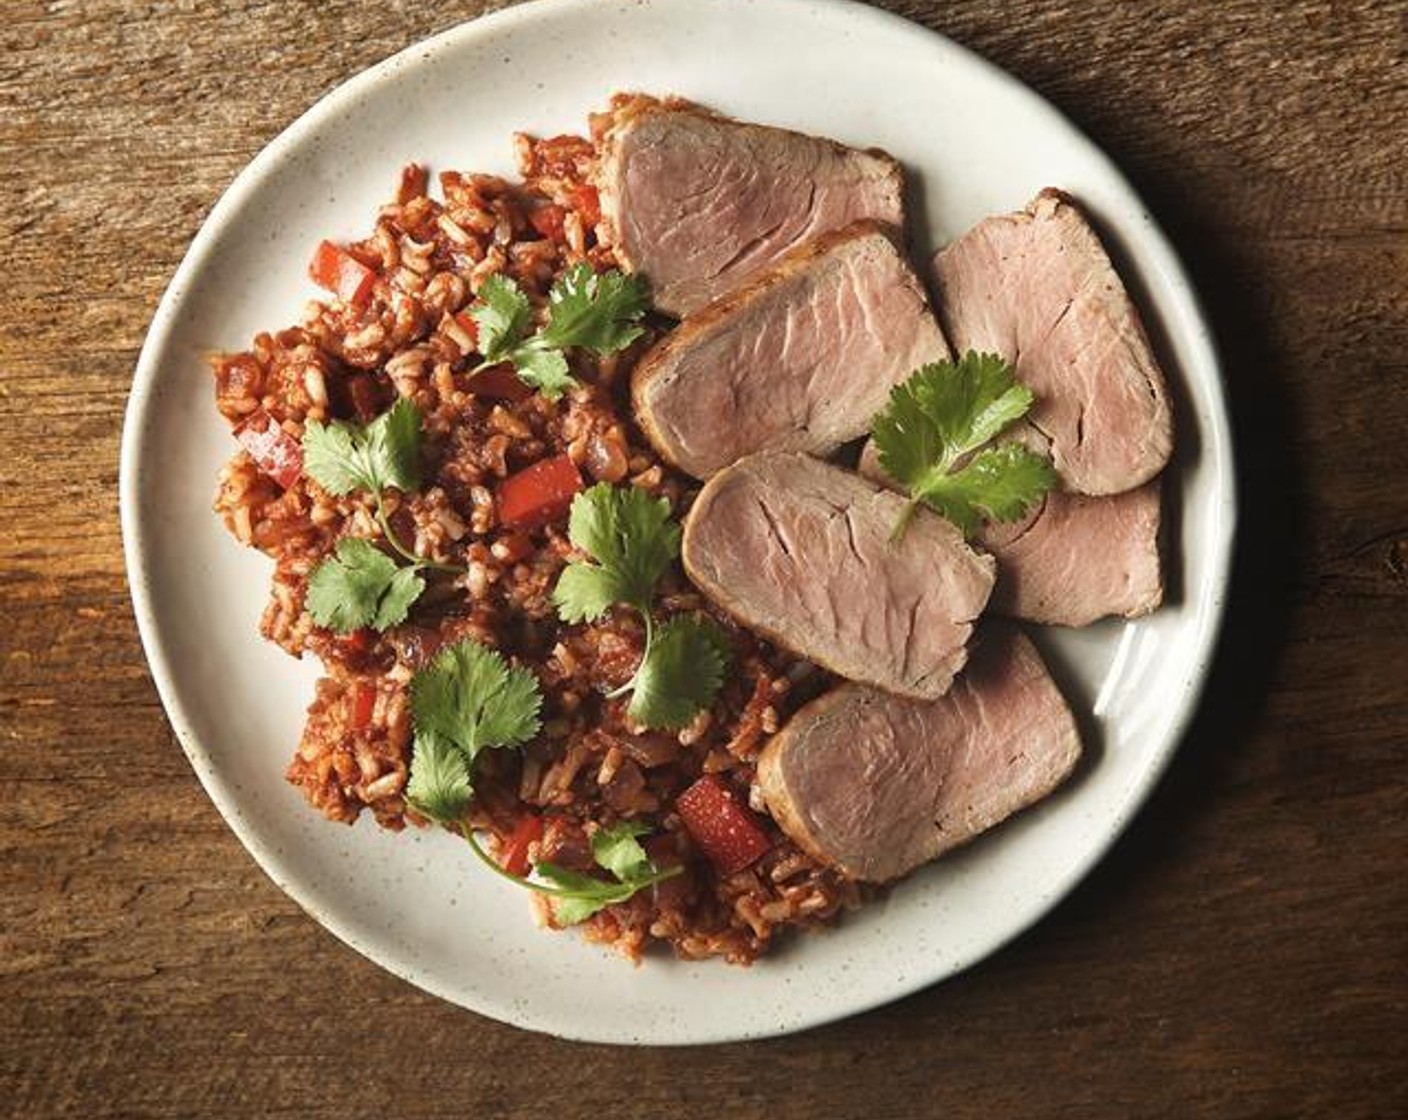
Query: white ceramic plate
pixel 977 142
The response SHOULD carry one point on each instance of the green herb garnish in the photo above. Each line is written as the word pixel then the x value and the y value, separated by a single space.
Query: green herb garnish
pixel 930 434
pixel 681 672
pixel 576 896
pixel 632 541
pixel 360 586
pixel 343 457
pixel 466 700
pixel 439 786
pixel 600 312
pixel 616 851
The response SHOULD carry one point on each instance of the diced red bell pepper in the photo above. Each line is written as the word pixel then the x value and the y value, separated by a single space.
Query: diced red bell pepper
pixel 363 705
pixel 727 832
pixel 360 641
pixel 539 493
pixel 468 325
pixel 337 270
pixel 278 454
pixel 587 203
pixel 547 220
pixel 498 383
pixel 513 852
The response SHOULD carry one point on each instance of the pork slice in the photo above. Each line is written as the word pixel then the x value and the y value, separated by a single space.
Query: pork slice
pixel 699 203
pixel 1081 559
pixel 799 359
pixel 1073 559
pixel 876 784
pixel 801 552
pixel 1038 288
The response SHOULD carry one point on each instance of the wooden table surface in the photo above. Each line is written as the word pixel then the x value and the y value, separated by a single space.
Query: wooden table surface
pixel 1244 951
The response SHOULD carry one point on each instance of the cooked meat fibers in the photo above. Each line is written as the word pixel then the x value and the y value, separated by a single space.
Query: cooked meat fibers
pixel 1081 559
pixel 699 203
pixel 876 784
pixel 798 359
pixel 1074 559
pixel 1038 288
pixel 802 552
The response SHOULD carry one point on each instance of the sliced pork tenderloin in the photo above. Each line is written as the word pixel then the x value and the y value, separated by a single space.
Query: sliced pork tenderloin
pixel 801 551
pixel 698 203
pixel 1073 559
pixel 798 359
pixel 1081 559
pixel 876 785
pixel 1038 288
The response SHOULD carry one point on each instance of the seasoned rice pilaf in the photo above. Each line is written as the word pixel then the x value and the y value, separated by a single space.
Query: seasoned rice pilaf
pixel 406 335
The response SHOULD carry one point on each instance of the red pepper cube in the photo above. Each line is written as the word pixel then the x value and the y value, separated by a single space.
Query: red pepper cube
pixel 587 202
pixel 360 641
pixel 728 833
pixel 277 453
pixel 539 493
pixel 337 270
pixel 363 705
pixel 466 322
pixel 513 852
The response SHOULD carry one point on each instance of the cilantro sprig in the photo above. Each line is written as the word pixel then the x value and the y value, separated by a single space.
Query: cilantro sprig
pixel 359 585
pixel 599 312
pixel 631 541
pixel 468 699
pixel 576 896
pixel 931 437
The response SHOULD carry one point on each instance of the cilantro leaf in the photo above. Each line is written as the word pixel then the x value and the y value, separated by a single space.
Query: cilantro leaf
pixel 393 446
pixel 544 370
pixel 502 317
pixel 618 850
pixel 633 541
pixel 1000 482
pixel 946 411
pixel 579 896
pixel 332 457
pixel 469 695
pixel 342 457
pixel 584 592
pixel 358 586
pixel 599 311
pixel 438 786
pixel 680 673
pixel 404 589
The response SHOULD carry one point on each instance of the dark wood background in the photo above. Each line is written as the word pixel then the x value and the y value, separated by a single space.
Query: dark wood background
pixel 1244 951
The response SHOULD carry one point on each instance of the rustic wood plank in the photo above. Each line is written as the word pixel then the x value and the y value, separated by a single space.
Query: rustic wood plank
pixel 1243 952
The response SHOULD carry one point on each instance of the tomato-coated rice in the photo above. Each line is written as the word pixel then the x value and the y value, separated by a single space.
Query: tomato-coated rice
pixel 403 334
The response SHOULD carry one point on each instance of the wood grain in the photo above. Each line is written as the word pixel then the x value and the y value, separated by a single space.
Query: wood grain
pixel 1244 951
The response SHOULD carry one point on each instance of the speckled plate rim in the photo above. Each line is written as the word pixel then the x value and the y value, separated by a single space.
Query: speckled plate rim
pixel 136 546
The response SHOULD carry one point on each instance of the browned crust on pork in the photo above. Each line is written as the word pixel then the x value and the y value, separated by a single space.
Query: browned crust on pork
pixel 629 108
pixel 772 782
